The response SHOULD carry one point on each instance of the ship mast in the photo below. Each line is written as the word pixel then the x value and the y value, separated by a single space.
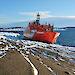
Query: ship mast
pixel 38 18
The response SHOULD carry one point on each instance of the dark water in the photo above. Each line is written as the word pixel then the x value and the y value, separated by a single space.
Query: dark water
pixel 67 37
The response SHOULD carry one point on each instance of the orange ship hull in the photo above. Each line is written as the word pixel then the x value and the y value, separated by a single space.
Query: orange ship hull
pixel 49 37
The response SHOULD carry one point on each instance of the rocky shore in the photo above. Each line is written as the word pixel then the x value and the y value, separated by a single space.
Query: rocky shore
pixel 24 57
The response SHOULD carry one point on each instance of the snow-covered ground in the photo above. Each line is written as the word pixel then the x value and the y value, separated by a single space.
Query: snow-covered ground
pixel 63 51
pixel 26 47
pixel 9 34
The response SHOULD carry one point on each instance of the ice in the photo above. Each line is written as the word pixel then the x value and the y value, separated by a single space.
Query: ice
pixel 52 49
pixel 35 70
pixel 2 37
pixel 2 53
pixel 9 34
pixel 60 29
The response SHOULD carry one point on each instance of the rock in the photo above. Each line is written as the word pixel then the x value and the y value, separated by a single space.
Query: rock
pixel 67 73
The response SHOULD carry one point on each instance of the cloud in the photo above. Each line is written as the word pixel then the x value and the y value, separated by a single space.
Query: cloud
pixel 3 22
pixel 66 16
pixel 44 14
pixel 26 20
pixel 3 17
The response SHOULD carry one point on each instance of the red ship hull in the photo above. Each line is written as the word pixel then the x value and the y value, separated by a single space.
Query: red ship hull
pixel 49 37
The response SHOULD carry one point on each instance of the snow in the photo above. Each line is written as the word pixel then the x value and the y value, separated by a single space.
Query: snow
pixel 35 47
pixel 35 70
pixel 9 34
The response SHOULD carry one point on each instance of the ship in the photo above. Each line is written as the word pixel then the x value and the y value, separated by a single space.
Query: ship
pixel 40 32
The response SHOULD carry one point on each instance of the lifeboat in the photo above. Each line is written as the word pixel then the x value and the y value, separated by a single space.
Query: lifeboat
pixel 44 33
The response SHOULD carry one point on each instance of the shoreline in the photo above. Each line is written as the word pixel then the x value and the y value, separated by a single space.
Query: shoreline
pixel 27 57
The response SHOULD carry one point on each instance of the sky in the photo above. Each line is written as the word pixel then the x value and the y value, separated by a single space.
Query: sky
pixel 58 12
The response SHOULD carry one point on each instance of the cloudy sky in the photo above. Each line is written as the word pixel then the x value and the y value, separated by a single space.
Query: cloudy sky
pixel 58 12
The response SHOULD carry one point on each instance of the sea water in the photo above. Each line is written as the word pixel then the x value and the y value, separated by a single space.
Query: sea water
pixel 67 37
